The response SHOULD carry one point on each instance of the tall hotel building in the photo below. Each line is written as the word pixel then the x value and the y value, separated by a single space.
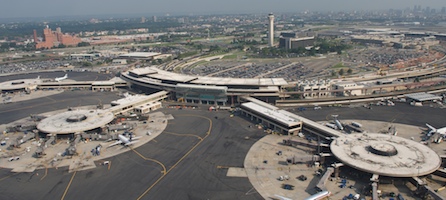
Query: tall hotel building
pixel 55 38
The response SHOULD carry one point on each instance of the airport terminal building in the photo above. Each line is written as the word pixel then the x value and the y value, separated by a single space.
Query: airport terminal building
pixel 204 90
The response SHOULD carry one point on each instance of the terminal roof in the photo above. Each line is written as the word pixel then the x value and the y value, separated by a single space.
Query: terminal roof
pixel 423 96
pixel 19 84
pixel 159 74
pixel 282 116
pixel 58 124
pixel 412 158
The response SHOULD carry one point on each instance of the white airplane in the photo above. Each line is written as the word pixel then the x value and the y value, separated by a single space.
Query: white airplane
pixel 432 130
pixel 125 141
pixel 58 79
pixel 337 122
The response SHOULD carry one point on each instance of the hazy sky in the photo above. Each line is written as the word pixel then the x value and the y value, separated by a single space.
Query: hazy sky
pixel 47 8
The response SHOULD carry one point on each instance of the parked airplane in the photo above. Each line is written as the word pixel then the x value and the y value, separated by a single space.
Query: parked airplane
pixel 58 79
pixel 125 140
pixel 432 130
pixel 319 195
pixel 337 122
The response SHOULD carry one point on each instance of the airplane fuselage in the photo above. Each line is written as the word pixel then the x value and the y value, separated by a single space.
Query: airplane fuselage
pixel 123 139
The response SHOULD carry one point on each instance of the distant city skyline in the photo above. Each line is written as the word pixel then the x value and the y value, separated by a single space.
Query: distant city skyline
pixel 50 8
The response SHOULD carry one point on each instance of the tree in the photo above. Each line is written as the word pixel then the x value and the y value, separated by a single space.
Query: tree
pixel 349 71
pixel 83 44
pixel 341 72
pixel 87 64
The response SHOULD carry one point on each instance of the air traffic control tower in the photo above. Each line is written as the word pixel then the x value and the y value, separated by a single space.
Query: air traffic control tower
pixel 270 30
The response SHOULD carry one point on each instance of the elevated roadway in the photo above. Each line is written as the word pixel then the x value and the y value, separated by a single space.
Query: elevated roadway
pixel 357 99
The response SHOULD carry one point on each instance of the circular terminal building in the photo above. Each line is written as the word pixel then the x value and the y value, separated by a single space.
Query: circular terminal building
pixel 385 155
pixel 75 121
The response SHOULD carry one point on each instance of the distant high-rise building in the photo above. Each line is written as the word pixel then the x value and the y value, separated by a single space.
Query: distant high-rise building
pixel 143 20
pixel 35 36
pixel 443 10
pixel 270 30
pixel 154 18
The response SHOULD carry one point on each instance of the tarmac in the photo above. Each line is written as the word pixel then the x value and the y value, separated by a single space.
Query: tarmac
pixel 53 153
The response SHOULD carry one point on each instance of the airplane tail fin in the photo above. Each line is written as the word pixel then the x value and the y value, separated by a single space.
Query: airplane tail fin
pixel 38 77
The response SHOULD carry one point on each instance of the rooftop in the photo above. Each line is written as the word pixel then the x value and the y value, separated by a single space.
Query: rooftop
pixel 385 155
pixel 423 96
pixel 19 84
pixel 282 116
pixel 156 73
pixel 75 121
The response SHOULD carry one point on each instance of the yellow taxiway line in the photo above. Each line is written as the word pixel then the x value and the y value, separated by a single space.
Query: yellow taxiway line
pixel 182 158
pixel 68 186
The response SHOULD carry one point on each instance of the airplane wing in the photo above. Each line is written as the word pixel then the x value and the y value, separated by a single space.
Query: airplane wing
pixel 431 128
pixel 135 138
pixel 116 143
pixel 130 143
